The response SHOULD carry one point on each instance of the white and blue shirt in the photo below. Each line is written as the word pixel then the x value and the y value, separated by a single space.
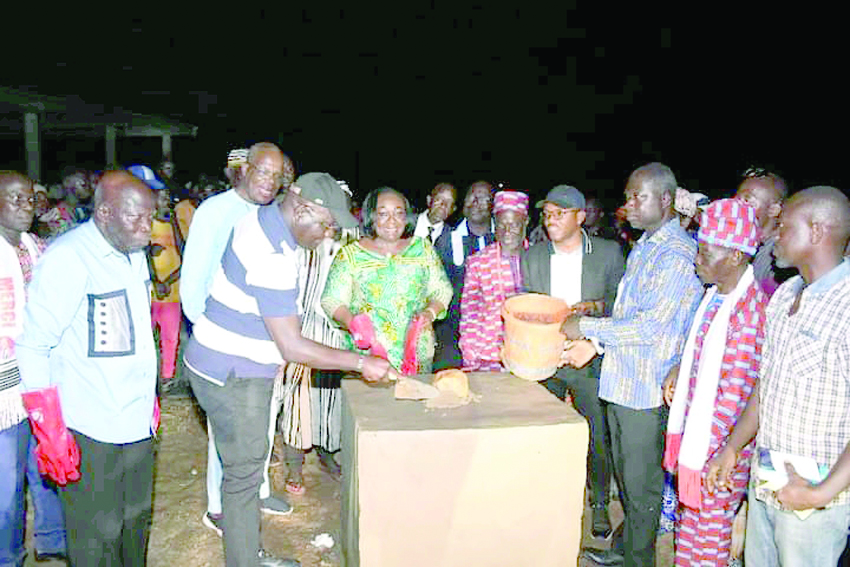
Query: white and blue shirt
pixel 87 329
pixel 258 278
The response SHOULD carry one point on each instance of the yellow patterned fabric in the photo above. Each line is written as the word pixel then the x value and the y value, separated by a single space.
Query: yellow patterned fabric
pixel 391 290
pixel 167 260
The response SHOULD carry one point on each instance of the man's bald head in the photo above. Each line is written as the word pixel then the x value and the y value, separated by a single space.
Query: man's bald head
pixel 264 148
pixel 123 211
pixel 264 173
pixel 114 184
pixel 828 208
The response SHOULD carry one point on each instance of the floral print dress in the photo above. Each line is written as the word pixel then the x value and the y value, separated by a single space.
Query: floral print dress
pixel 391 290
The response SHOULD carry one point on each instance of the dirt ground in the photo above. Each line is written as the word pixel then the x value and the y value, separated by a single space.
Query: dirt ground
pixel 179 538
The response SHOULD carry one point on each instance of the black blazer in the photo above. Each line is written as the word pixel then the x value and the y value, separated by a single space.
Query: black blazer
pixel 602 267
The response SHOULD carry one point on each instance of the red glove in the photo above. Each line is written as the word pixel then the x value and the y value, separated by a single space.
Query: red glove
pixel 409 364
pixel 57 452
pixel 157 414
pixel 363 333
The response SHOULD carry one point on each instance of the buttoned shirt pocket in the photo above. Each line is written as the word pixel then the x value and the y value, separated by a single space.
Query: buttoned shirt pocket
pixel 809 348
pixel 110 322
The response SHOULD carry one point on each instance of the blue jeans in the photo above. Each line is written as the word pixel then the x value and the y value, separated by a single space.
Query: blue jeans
pixel 775 537
pixel 49 521
pixel 13 448
pixel 18 462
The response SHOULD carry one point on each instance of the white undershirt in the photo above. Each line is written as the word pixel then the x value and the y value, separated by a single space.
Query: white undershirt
pixel 565 275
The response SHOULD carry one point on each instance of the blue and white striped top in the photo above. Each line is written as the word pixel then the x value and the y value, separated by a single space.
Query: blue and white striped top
pixel 258 278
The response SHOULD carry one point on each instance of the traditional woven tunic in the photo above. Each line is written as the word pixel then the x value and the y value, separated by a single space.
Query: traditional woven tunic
pixel 311 409
pixel 704 535
pixel 490 279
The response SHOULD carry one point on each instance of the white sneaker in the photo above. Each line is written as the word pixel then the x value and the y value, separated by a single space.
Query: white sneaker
pixel 275 506
pixel 268 560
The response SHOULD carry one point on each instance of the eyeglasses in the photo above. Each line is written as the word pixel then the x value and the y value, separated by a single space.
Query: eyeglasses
pixel 18 199
pixel 277 178
pixel 384 216
pixel 558 214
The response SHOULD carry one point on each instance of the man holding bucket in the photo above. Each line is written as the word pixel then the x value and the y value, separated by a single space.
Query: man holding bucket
pixel 643 340
pixel 583 271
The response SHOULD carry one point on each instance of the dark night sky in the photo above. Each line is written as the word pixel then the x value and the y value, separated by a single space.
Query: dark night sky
pixel 577 92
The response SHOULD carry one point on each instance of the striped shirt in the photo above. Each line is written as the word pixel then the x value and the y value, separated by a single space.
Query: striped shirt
pixel 258 278
pixel 804 390
pixel 646 332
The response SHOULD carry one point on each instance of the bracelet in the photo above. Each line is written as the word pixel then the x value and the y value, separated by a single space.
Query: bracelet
pixel 360 361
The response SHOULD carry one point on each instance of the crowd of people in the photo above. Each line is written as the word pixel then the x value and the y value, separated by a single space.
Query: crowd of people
pixel 705 339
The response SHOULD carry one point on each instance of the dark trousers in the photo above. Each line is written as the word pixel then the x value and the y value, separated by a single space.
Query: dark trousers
pixel 447 334
pixel 637 446
pixel 108 511
pixel 584 389
pixel 239 417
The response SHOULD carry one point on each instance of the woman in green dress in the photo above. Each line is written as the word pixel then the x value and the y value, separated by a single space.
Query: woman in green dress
pixel 380 283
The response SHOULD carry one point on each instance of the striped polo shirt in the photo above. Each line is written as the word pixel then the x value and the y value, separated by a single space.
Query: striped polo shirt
pixel 258 278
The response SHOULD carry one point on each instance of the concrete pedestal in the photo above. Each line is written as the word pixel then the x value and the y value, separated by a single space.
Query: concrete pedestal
pixel 497 482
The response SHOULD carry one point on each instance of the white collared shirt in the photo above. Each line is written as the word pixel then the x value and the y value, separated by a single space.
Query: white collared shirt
pixel 423 224
pixel 565 275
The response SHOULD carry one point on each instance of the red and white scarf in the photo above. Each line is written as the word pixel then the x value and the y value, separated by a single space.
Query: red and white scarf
pixel 689 429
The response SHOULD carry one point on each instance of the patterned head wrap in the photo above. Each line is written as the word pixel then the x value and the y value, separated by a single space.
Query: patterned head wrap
pixel 237 157
pixel 510 201
pixel 730 223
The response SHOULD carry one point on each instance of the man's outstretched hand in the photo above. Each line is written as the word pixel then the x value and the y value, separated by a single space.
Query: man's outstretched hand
pixel 378 371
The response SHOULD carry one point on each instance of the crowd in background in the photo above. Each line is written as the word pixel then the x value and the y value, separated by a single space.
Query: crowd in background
pixel 703 336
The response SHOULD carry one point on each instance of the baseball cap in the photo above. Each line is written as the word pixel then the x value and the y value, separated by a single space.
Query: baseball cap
pixel 565 196
pixel 322 189
pixel 147 175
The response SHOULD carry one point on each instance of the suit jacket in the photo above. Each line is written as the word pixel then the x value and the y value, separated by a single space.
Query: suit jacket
pixel 445 245
pixel 602 267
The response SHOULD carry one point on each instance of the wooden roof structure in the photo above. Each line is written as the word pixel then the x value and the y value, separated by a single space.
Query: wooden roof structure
pixel 28 115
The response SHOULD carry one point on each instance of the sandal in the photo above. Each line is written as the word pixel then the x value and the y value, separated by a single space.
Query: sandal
pixel 295 485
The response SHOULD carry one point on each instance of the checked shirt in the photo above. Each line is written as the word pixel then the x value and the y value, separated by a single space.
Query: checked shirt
pixel 805 374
